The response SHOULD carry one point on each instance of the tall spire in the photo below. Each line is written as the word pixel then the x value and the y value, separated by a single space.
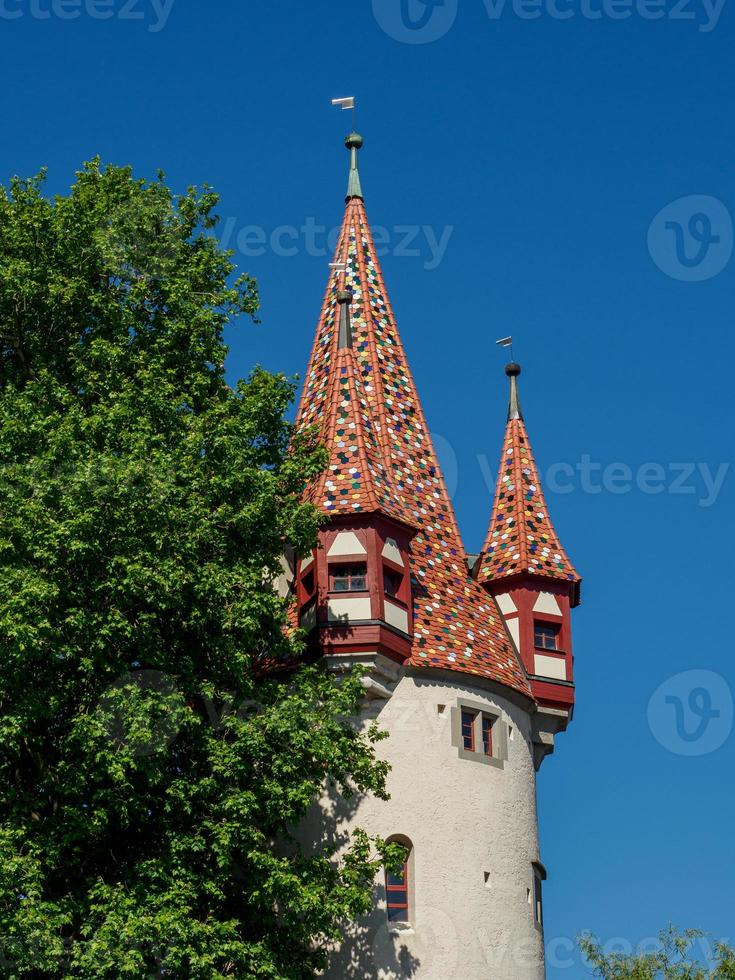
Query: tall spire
pixel 514 405
pixel 363 401
pixel 521 538
pixel 354 143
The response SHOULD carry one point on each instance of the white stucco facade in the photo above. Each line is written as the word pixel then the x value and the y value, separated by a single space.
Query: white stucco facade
pixel 473 828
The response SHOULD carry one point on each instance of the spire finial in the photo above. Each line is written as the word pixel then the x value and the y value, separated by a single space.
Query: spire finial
pixel 344 339
pixel 514 405
pixel 354 143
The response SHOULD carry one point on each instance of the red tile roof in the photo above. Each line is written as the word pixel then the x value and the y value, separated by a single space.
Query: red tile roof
pixel 382 460
pixel 521 537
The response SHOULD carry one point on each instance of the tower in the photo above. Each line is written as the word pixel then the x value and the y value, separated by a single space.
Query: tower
pixel 442 642
pixel 525 568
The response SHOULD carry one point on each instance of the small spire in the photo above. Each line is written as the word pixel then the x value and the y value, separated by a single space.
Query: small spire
pixel 354 143
pixel 514 406
pixel 344 298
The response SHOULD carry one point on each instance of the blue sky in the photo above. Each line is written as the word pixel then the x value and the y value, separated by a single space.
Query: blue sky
pixel 529 148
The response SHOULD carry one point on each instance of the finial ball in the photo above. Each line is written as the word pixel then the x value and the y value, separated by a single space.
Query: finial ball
pixel 513 369
pixel 354 141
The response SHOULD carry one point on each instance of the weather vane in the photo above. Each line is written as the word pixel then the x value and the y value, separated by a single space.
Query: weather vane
pixel 506 342
pixel 347 103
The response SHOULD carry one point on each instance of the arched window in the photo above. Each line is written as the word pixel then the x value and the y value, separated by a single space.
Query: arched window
pixel 399 886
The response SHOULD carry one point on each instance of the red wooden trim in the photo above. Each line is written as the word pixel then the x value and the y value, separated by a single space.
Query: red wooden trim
pixel 472 716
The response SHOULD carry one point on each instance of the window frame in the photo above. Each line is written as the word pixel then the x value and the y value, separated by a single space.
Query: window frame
pixel 468 719
pixel 408 889
pixel 539 877
pixel 551 627
pixel 350 568
pixel 488 725
pixel 397 890
pixel 398 577
pixel 482 713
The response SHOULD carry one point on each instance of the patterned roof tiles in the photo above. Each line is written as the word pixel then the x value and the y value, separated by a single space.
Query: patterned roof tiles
pixel 521 537
pixel 457 625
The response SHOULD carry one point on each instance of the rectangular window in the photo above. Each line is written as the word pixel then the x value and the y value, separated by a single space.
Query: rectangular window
pixel 392 582
pixel 468 730
pixel 396 887
pixel 546 636
pixel 307 583
pixel 479 734
pixel 349 578
pixel 539 874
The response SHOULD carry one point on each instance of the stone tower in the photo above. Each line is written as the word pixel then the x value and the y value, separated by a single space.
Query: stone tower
pixel 468 658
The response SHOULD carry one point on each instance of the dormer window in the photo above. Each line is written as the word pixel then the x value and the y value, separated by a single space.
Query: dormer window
pixel 546 636
pixel 349 578
pixel 392 582
pixel 307 583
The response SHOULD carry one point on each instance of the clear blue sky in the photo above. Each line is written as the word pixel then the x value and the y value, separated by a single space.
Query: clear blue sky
pixel 545 148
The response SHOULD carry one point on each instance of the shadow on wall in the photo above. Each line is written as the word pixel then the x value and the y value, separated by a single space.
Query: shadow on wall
pixel 369 951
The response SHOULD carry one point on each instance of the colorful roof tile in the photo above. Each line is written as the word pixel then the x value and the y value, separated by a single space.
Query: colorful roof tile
pixel 521 538
pixel 457 624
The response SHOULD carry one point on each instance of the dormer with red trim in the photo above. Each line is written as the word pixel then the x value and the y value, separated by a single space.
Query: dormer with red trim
pixel 525 568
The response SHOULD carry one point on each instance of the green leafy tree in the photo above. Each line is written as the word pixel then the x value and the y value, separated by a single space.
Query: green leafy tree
pixel 148 766
pixel 674 960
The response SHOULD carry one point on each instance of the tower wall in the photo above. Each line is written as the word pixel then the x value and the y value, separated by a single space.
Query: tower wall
pixel 473 827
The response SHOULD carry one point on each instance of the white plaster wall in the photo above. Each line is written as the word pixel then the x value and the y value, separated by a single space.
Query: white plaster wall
pixel 550 666
pixel 346 543
pixel 465 819
pixel 396 616
pixel 546 603
pixel 346 610
pixel 392 551
pixel 514 628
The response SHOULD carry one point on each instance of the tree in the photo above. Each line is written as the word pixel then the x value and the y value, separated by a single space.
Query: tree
pixel 148 763
pixel 673 961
